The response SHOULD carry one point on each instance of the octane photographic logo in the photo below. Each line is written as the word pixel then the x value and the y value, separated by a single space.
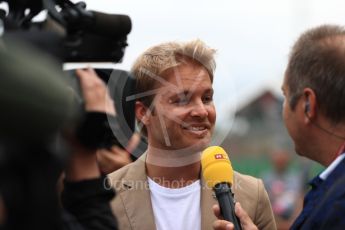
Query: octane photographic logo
pixel 173 156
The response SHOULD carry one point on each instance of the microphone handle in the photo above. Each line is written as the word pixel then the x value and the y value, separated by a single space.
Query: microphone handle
pixel 227 204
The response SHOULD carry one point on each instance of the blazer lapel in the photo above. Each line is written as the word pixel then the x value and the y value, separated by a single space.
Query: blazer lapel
pixel 206 203
pixel 136 197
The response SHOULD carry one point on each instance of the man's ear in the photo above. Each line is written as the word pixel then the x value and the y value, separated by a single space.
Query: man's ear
pixel 310 105
pixel 142 113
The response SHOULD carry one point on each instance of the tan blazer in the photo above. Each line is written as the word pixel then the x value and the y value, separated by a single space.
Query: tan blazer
pixel 133 209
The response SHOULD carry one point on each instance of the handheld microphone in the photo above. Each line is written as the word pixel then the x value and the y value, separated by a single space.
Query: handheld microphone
pixel 219 175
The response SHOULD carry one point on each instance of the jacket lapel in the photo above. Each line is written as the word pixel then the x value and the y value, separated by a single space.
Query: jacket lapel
pixel 206 203
pixel 136 197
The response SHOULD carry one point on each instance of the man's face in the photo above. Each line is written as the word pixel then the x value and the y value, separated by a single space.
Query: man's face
pixel 184 115
pixel 292 119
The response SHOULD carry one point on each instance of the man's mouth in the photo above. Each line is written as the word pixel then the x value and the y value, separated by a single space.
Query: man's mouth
pixel 197 129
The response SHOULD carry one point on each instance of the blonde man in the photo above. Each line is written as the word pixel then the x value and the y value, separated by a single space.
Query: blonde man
pixel 175 111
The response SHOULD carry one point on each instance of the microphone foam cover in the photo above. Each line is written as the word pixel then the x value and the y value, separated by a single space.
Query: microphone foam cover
pixel 216 166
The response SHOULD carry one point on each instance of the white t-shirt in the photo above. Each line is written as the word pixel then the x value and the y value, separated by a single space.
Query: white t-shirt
pixel 177 209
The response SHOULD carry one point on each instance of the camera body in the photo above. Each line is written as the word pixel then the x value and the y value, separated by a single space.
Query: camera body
pixel 70 33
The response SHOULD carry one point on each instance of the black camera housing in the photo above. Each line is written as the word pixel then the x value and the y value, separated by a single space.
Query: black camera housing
pixel 70 33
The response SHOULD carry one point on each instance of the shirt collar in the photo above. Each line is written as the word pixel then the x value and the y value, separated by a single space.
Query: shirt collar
pixel 332 166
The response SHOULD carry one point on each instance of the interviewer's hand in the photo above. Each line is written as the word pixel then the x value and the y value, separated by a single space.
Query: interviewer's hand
pixel 111 160
pixel 220 224
pixel 95 92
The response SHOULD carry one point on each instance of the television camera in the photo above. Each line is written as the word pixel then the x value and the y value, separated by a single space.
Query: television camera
pixel 35 105
pixel 72 34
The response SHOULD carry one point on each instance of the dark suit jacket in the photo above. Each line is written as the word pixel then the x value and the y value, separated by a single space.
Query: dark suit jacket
pixel 133 209
pixel 329 209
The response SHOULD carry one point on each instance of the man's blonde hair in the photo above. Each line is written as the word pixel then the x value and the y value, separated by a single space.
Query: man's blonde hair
pixel 152 64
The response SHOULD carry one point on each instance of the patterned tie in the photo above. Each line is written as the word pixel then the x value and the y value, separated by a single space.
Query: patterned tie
pixel 310 201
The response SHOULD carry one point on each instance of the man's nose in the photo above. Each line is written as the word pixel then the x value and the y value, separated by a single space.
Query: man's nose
pixel 199 109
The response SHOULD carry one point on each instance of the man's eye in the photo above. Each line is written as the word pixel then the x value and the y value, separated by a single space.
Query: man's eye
pixel 181 101
pixel 207 99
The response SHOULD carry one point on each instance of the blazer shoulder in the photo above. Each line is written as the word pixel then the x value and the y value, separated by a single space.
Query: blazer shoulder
pixel 249 179
pixel 246 191
pixel 247 183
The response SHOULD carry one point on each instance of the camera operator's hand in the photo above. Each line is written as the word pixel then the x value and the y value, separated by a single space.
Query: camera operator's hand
pixel 116 157
pixel 221 224
pixel 95 92
pixel 96 99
